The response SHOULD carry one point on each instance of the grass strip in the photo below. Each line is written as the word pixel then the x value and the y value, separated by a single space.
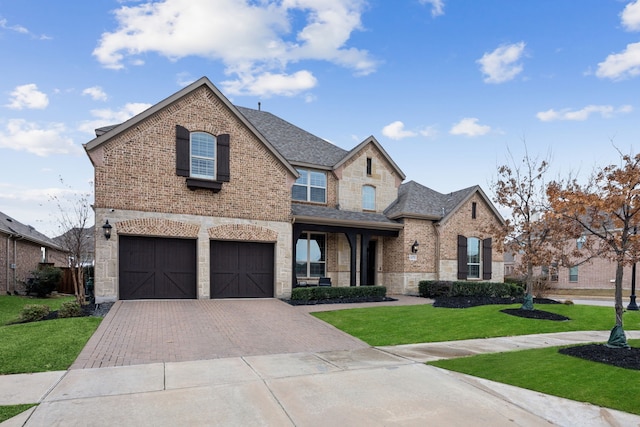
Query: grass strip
pixel 11 306
pixel 50 345
pixel 11 411
pixel 547 371
pixel 379 326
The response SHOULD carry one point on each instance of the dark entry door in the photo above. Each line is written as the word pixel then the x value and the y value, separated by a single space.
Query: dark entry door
pixel 371 263
pixel 242 269
pixel 152 268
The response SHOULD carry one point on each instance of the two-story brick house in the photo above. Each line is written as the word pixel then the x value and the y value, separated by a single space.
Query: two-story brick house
pixel 210 200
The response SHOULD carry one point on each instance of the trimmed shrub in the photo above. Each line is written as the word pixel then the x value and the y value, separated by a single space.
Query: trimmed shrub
pixel 44 281
pixel 435 289
pixel 70 309
pixel 318 293
pixel 34 312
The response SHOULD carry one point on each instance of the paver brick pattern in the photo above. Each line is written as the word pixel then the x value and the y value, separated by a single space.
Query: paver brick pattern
pixel 139 332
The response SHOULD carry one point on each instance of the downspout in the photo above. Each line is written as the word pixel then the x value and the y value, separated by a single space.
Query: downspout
pixel 436 258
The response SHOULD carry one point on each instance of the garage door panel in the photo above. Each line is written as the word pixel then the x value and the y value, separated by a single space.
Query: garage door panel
pixel 157 268
pixel 241 269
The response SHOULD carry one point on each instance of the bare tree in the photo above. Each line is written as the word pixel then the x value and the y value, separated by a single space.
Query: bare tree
pixel 74 217
pixel 520 187
pixel 607 209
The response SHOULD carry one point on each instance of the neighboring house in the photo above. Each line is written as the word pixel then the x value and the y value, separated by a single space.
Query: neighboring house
pixel 22 250
pixel 209 200
pixel 86 239
pixel 595 273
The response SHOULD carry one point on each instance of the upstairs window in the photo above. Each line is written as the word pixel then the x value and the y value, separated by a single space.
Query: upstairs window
pixel 202 158
pixel 310 187
pixel 474 208
pixel 368 198
pixel 369 166
pixel 203 155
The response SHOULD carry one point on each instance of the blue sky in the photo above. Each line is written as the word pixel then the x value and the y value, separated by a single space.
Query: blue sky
pixel 448 87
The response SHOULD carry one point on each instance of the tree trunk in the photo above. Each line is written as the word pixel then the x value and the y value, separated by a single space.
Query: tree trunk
pixel 528 293
pixel 78 287
pixel 618 304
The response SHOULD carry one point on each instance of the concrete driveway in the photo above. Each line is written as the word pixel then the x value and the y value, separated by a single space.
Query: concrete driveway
pixel 141 332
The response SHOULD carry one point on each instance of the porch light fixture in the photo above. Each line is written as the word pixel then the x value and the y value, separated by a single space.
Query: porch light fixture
pixel 414 247
pixel 107 230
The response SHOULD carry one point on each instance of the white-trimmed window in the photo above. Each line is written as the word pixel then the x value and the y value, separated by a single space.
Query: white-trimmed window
pixel 310 187
pixel 311 255
pixel 368 198
pixel 473 258
pixel 203 155
pixel 573 274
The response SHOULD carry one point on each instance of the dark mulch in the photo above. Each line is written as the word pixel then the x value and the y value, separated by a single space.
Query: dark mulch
pixel 466 302
pixel 535 314
pixel 628 358
pixel 95 310
pixel 340 300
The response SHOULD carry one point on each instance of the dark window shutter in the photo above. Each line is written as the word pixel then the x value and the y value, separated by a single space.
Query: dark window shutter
pixel 183 167
pixel 486 259
pixel 223 152
pixel 463 268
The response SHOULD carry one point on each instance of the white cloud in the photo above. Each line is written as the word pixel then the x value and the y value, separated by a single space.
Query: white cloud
pixel 397 131
pixel 618 66
pixel 502 64
pixel 21 135
pixel 469 127
pixel 606 111
pixel 250 38
pixel 437 6
pixel 107 117
pixel 28 96
pixel 630 16
pixel 4 25
pixel 96 93
pixel 429 132
pixel 268 84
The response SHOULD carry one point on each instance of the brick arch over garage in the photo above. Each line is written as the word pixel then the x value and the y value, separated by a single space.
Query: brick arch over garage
pixel 243 232
pixel 157 227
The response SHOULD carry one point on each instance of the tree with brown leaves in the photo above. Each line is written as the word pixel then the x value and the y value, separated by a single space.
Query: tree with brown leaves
pixel 607 209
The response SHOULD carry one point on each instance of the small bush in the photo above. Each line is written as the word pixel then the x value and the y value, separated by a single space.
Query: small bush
pixel 317 293
pixel 568 302
pixel 43 281
pixel 70 309
pixel 34 312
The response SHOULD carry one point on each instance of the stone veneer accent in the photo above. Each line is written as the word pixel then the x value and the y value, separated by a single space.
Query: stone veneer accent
pixel 157 227
pixel 245 232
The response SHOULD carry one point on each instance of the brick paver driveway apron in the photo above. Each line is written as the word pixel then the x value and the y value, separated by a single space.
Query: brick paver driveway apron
pixel 138 332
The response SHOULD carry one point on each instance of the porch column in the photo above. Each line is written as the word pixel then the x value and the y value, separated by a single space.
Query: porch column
pixel 364 246
pixel 297 229
pixel 352 238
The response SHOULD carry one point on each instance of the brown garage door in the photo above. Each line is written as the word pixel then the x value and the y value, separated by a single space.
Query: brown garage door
pixel 241 269
pixel 153 267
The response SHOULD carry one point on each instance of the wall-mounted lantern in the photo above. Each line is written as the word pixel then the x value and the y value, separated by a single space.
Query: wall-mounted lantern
pixel 414 247
pixel 106 228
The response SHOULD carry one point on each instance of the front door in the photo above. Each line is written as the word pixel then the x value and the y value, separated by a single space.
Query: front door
pixel 371 263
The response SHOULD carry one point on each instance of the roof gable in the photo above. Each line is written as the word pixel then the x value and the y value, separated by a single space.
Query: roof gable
pixel 417 201
pixel 104 134
pixel 371 141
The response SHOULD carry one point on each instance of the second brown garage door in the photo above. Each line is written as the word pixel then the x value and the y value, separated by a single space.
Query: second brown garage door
pixel 241 269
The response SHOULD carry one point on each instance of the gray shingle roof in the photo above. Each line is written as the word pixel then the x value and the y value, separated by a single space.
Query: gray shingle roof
pixel 326 213
pixel 9 225
pixel 416 199
pixel 295 144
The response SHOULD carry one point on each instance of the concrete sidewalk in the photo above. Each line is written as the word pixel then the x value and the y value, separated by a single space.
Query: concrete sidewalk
pixel 371 386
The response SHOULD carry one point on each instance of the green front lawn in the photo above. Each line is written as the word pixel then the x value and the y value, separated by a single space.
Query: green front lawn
pixel 48 345
pixel 381 326
pixel 547 371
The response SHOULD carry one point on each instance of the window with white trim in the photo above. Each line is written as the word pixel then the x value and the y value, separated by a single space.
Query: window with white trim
pixel 311 186
pixel 473 258
pixel 310 255
pixel 368 198
pixel 203 155
pixel 573 274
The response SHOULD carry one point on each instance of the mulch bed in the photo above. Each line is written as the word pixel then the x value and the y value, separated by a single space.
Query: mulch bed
pixel 628 358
